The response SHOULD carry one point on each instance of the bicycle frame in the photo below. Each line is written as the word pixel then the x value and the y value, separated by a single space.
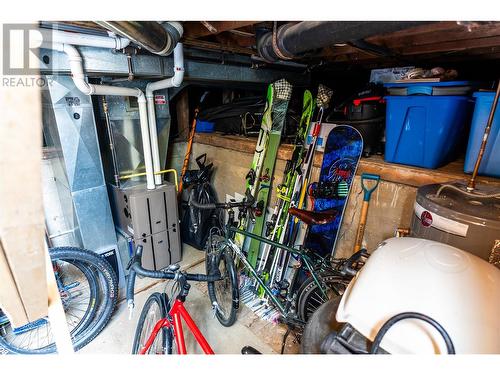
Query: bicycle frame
pixel 177 312
pixel 231 230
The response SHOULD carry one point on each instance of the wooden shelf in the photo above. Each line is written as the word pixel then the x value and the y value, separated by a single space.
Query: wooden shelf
pixel 397 173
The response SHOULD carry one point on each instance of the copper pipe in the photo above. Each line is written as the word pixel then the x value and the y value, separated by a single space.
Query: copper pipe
pixel 472 182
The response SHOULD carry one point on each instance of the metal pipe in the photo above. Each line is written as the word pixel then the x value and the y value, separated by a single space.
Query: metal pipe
pixel 114 159
pixel 76 67
pixel 176 180
pixel 174 81
pixel 472 182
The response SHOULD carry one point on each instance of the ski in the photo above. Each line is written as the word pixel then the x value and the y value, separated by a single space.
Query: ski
pixel 274 227
pixel 297 198
pixel 253 175
pixel 282 91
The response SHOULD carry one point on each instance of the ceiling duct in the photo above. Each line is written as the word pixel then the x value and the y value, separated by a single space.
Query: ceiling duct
pixel 157 38
pixel 292 40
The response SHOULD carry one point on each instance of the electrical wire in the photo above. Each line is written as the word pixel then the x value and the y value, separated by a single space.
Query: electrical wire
pixel 411 315
pixel 466 193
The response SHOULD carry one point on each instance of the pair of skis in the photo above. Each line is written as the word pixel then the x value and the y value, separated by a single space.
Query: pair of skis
pixel 297 197
pixel 273 262
pixel 276 225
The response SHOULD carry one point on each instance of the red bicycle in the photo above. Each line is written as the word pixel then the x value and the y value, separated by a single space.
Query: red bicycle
pixel 159 329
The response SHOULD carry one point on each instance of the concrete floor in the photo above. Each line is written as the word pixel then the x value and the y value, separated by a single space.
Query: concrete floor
pixel 118 335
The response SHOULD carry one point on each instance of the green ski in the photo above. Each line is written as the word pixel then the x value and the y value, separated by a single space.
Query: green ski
pixel 282 91
pixel 275 226
pixel 258 159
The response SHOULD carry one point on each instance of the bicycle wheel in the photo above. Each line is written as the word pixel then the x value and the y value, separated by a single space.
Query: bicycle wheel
pixel 153 311
pixel 310 297
pixel 224 293
pixel 89 291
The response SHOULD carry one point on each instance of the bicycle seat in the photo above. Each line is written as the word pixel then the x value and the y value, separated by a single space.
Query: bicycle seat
pixel 312 217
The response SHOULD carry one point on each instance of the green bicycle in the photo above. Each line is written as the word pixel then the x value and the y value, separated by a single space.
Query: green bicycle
pixel 326 278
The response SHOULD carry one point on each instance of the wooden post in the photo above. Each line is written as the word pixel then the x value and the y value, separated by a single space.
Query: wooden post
pixel 21 212
pixel 182 108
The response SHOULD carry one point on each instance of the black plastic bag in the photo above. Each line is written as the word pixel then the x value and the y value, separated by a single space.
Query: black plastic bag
pixel 196 223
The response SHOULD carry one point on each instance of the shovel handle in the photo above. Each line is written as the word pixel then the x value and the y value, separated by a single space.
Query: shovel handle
pixel 369 191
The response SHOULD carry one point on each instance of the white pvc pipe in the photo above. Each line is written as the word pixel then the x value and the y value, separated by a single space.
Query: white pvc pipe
pixel 174 81
pixel 76 66
pixel 48 36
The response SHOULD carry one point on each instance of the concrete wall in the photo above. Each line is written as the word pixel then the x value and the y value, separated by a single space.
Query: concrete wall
pixel 391 204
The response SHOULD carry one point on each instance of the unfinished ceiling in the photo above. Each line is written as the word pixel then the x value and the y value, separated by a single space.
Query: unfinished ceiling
pixel 427 41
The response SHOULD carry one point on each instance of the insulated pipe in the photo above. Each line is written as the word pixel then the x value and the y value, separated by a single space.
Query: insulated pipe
pixel 174 81
pixel 152 36
pixel 76 67
pixel 293 40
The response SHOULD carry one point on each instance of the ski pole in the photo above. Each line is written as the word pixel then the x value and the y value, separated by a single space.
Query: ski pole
pixel 190 143
pixel 364 209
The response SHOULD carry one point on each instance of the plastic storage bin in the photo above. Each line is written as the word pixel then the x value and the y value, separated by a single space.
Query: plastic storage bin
pixel 425 130
pixel 490 165
pixel 431 88
pixel 204 126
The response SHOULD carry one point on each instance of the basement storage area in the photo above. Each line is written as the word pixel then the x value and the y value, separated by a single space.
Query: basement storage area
pixel 256 187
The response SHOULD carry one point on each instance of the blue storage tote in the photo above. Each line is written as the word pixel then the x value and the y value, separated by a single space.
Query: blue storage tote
pixel 425 130
pixel 490 165
pixel 446 88
pixel 204 126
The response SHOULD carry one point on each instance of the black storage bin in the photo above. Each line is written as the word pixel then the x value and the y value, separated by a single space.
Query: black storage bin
pixel 371 130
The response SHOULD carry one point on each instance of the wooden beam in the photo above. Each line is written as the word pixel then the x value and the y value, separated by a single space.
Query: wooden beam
pixel 453 34
pixel 198 30
pixel 182 108
pixel 23 290
pixel 459 45
pixel 217 46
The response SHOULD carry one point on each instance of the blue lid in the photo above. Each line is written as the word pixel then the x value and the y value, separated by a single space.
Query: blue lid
pixel 430 84
pixel 489 94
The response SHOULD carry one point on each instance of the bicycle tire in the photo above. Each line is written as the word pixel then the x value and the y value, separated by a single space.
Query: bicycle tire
pixel 142 331
pixel 224 293
pixel 309 297
pixel 108 288
pixel 9 339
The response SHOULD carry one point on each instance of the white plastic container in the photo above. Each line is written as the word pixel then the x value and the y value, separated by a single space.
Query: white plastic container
pixel 457 289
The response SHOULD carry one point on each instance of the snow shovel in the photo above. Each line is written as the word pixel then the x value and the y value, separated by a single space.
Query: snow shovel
pixel 364 209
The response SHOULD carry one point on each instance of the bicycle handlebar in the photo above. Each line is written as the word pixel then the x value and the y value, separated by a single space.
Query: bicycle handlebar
pixel 247 202
pixel 347 268
pixel 135 268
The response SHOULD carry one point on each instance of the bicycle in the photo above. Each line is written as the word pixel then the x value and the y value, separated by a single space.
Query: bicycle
pixel 159 326
pixel 89 290
pixel 326 278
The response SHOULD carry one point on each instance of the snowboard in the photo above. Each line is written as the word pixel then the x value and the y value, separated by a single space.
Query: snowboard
pixel 341 155
pixel 282 91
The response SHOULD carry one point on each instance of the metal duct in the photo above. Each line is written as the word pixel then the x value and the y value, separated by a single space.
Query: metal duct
pixel 293 40
pixel 159 39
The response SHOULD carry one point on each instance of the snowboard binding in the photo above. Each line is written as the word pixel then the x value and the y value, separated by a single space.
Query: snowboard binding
pixel 328 189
